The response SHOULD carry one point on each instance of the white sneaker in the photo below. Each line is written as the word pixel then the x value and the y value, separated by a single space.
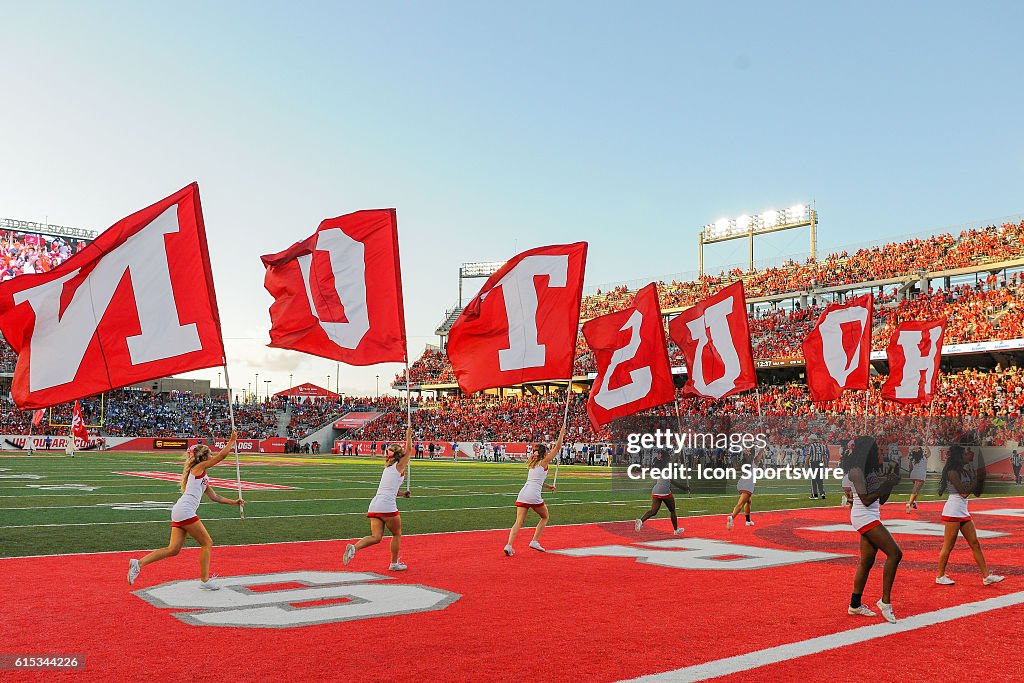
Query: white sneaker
pixel 509 552
pixel 639 524
pixel 886 612
pixel 750 523
pixel 992 578
pixel 537 546
pixel 678 532
pixel 944 580
pixel 350 552
pixel 397 567
pixel 862 611
pixel 133 571
pixel 210 585
pixel 908 508
pixel 728 522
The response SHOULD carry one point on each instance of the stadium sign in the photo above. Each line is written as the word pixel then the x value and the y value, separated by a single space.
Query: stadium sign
pixel 973 347
pixel 170 444
pixel 779 362
pixel 46 229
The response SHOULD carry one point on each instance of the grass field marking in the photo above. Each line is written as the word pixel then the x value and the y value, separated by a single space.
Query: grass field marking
pixel 426 533
pixel 832 641
pixel 470 494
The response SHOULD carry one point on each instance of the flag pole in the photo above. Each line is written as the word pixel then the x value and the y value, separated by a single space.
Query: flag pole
pixel 231 413
pixel 565 421
pixel 31 424
pixel 867 406
pixel 408 420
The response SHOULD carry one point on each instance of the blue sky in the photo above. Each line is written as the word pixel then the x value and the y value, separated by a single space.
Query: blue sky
pixel 497 127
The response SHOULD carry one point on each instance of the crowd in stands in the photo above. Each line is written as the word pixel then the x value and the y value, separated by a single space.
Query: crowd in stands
pixel 942 252
pixel 992 309
pixel 23 253
pixel 969 393
pixel 483 418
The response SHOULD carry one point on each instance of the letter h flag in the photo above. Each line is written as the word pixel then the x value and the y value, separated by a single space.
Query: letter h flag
pixel 338 293
pixel 136 303
pixel 914 353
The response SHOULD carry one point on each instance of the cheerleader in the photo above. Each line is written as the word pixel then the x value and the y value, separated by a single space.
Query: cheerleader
pixel 847 484
pixel 184 518
pixel 959 480
pixel 662 494
pixel 529 497
pixel 871 489
pixel 918 473
pixel 745 487
pixel 383 510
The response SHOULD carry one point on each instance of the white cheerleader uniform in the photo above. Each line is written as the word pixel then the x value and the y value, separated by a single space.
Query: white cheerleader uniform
pixel 662 489
pixel 185 511
pixel 955 509
pixel 746 484
pixel 385 503
pixel 919 469
pixel 864 518
pixel 529 496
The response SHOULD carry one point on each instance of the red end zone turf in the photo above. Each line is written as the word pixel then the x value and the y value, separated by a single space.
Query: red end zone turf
pixel 607 607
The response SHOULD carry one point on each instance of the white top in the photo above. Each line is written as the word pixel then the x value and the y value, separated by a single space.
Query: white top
pixel 530 493
pixel 188 505
pixel 662 488
pixel 387 492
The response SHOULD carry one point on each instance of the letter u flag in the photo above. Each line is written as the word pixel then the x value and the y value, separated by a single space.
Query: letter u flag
pixel 715 341
pixel 135 304
pixel 338 293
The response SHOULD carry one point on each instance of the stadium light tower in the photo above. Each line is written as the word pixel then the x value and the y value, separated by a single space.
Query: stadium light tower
pixel 479 269
pixel 746 226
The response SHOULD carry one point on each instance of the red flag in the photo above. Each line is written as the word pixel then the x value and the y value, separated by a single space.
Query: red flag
pixel 522 325
pixel 838 349
pixel 135 304
pixel 715 341
pixel 78 430
pixel 37 417
pixel 338 293
pixel 633 371
pixel 915 350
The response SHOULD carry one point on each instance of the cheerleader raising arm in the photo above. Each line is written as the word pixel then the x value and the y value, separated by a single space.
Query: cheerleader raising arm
pixel 553 452
pixel 199 469
pixel 401 463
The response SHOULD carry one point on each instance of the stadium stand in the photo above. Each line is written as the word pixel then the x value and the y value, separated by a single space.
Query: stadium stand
pixel 989 308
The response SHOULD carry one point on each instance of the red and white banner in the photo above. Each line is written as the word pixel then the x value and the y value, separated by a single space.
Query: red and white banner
pixel 135 304
pixel 715 340
pixel 633 371
pixel 338 294
pixel 522 325
pixel 915 351
pixel 78 430
pixel 838 350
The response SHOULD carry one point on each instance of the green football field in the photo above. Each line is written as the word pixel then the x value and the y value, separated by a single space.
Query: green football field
pixel 53 504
